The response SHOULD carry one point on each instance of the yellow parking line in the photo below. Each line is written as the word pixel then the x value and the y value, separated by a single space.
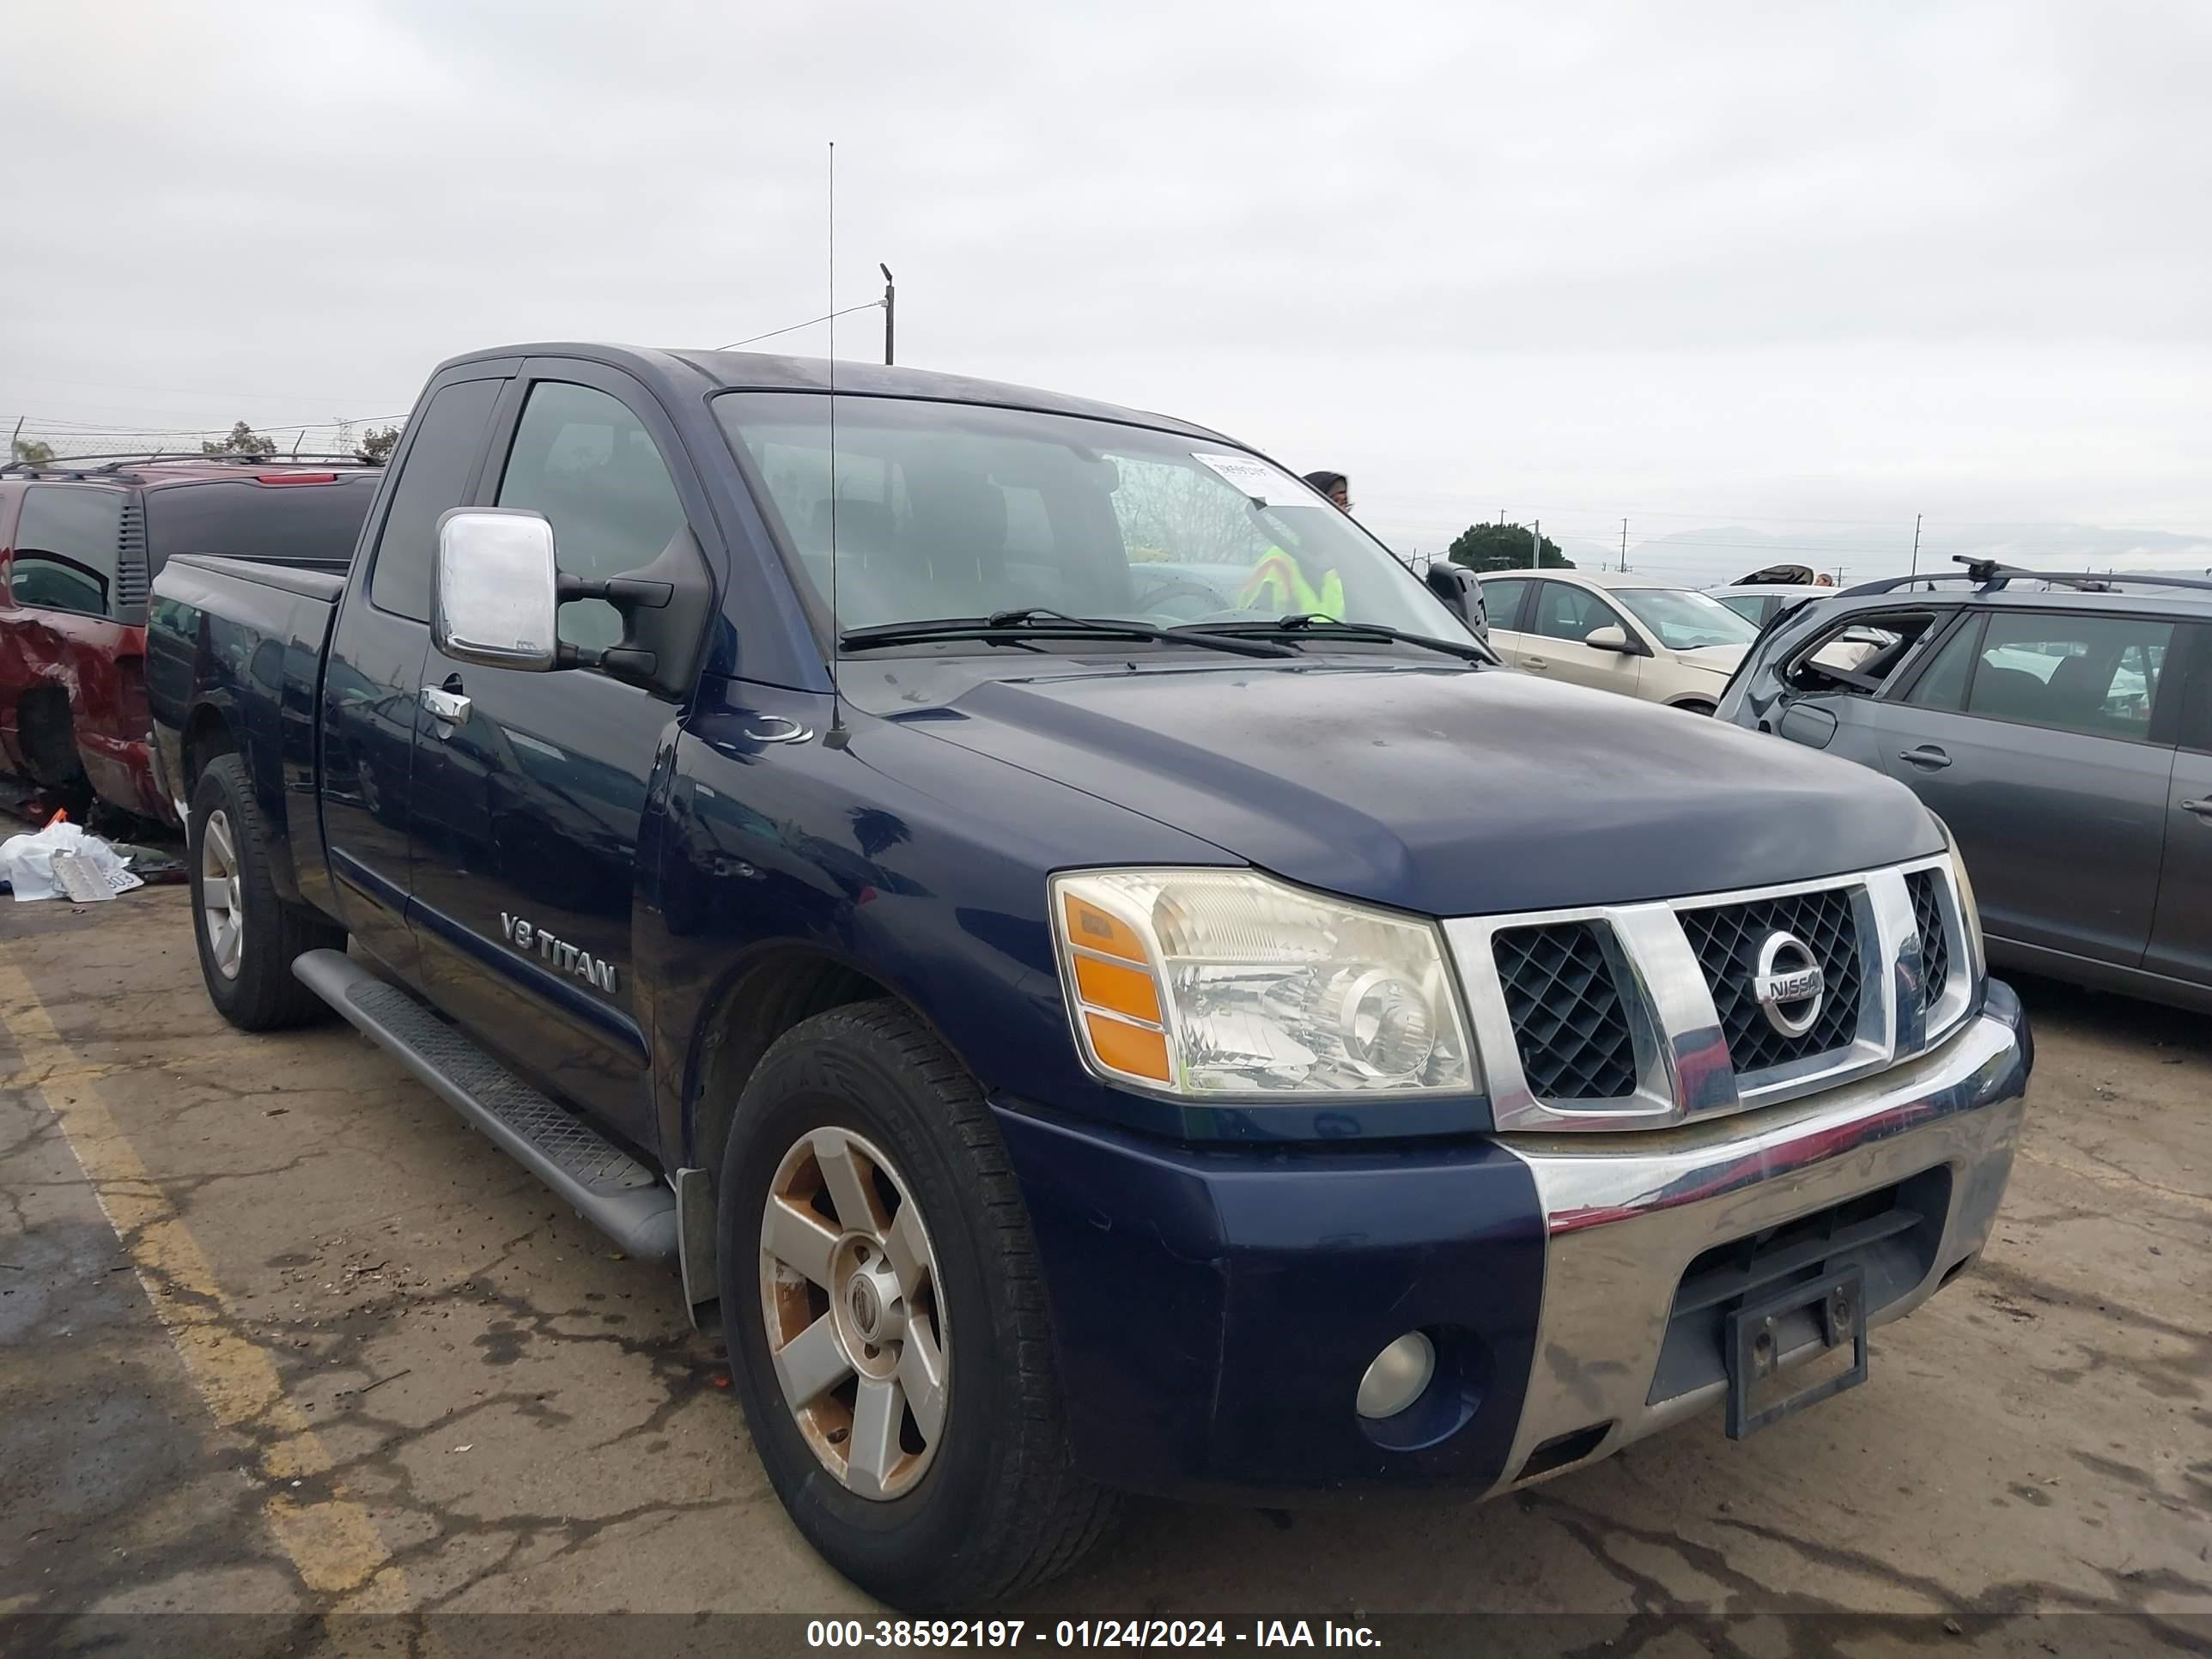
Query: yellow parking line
pixel 329 1536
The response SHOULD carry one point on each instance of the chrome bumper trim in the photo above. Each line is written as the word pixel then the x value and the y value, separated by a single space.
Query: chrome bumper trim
pixel 1627 1213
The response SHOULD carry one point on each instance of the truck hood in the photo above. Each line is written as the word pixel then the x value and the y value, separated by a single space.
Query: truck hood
pixel 1445 792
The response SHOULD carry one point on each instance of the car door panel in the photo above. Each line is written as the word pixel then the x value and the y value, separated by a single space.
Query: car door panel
pixel 530 810
pixel 370 710
pixel 1563 615
pixel 2181 935
pixel 1506 602
pixel 2062 830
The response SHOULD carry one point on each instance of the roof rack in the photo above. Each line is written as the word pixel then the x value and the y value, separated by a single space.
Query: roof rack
pixel 1989 576
pixel 121 461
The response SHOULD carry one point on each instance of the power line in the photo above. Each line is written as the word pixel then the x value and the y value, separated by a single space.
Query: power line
pixel 871 305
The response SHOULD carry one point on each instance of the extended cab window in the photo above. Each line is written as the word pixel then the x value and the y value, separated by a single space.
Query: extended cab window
pixel 434 475
pixel 2068 672
pixel 586 462
pixel 66 545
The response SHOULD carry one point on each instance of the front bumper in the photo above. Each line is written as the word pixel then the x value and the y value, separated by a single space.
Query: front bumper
pixel 1214 1310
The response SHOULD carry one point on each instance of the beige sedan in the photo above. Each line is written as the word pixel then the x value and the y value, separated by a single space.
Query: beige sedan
pixel 1639 636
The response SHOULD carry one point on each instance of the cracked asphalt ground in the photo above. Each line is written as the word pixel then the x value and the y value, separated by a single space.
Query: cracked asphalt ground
pixel 279 1336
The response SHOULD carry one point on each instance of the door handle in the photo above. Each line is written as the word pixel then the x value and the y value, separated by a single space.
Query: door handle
pixel 451 707
pixel 1535 662
pixel 2203 808
pixel 1928 757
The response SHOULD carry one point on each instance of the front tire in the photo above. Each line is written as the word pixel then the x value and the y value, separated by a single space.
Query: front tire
pixel 248 937
pixel 886 1319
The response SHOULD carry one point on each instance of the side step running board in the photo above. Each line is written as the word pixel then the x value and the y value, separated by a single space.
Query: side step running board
pixel 608 1187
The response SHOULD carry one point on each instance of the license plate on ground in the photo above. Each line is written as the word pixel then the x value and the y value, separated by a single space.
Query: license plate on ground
pixel 1761 1334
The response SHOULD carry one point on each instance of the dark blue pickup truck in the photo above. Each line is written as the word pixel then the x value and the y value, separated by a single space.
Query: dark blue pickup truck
pixel 1095 975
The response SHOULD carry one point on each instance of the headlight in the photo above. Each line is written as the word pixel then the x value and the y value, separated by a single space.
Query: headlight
pixel 1969 913
pixel 1226 982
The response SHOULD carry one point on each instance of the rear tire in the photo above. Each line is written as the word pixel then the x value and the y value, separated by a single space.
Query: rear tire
pixel 248 937
pixel 1694 707
pixel 989 1503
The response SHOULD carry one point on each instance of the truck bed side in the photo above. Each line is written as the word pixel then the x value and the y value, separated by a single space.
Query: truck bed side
pixel 233 654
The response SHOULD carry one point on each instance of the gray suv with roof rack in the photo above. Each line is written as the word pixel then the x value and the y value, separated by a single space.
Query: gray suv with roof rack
pixel 2060 723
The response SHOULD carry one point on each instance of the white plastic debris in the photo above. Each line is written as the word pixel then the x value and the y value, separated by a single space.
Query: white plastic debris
pixel 28 861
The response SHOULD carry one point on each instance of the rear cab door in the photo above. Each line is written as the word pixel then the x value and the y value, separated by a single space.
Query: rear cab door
pixel 371 702
pixel 530 810
pixel 2044 738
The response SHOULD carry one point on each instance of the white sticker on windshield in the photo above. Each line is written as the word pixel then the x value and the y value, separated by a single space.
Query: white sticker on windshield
pixel 1257 480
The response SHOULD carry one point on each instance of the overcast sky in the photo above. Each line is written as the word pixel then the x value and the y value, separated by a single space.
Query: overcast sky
pixel 1808 270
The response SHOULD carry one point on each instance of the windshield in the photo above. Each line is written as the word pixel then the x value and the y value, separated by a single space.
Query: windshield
pixel 957 510
pixel 1685 620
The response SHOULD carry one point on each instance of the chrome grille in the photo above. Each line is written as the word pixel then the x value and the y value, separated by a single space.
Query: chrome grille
pixel 1926 886
pixel 1727 939
pixel 1569 1021
pixel 1642 1014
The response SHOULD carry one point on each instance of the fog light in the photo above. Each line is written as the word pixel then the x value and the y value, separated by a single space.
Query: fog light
pixel 1396 1378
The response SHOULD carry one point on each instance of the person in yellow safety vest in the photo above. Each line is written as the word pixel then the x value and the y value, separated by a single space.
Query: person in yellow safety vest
pixel 1278 583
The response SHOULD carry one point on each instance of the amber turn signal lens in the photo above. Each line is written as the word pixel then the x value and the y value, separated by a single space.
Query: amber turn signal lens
pixel 1094 930
pixel 1128 1049
pixel 1124 990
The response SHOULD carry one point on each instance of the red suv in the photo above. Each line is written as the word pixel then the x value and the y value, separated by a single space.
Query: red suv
pixel 80 543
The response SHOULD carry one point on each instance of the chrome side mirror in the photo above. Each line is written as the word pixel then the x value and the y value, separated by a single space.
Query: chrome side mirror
pixel 497 599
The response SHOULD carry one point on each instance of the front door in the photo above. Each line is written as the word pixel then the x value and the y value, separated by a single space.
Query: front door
pixel 2031 735
pixel 372 685
pixel 2181 937
pixel 1553 648
pixel 529 810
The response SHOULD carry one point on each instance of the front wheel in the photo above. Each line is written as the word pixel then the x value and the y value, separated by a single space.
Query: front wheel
pixel 1695 706
pixel 247 936
pixel 886 1319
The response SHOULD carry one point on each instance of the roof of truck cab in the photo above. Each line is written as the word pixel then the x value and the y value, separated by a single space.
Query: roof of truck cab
pixel 686 371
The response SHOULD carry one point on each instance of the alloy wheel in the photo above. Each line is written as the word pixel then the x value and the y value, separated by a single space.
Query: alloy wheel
pixel 856 1328
pixel 221 899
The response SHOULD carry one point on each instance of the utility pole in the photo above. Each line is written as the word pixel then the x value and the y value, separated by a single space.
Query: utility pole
pixel 1624 544
pixel 890 310
pixel 1536 542
pixel 1839 575
pixel 1916 544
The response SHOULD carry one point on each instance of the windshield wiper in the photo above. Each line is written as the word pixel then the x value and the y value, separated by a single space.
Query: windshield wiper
pixel 1036 623
pixel 1315 625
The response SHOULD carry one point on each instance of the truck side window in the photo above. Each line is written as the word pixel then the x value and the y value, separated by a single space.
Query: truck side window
pixel 585 461
pixel 433 477
pixel 66 545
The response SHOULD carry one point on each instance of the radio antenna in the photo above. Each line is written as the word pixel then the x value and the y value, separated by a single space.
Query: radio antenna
pixel 837 736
